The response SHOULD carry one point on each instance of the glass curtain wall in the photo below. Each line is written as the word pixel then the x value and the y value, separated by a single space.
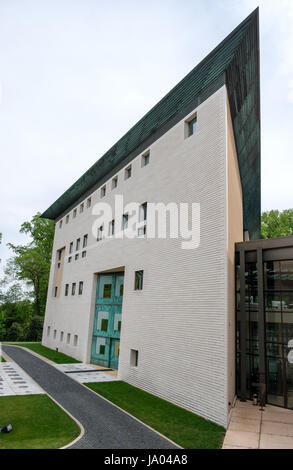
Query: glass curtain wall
pixel 278 311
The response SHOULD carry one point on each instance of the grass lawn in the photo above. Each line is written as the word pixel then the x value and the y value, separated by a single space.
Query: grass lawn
pixel 2 359
pixel 57 357
pixel 38 423
pixel 186 429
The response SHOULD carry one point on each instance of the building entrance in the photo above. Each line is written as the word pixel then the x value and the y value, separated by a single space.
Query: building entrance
pixel 107 320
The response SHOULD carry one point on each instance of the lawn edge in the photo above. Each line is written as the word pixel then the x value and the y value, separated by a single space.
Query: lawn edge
pixel 132 416
pixel 82 431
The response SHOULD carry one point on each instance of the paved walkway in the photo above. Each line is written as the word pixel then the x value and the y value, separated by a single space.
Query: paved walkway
pixel 106 426
pixel 14 381
pixel 251 428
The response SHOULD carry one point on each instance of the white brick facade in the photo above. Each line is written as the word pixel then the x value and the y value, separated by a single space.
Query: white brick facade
pixel 182 321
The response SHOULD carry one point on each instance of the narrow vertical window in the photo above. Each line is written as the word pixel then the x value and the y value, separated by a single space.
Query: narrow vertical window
pixel 127 173
pixel 81 207
pixel 114 182
pixel 73 288
pixel 88 202
pixel 71 247
pixel 83 254
pixel 85 238
pixel 48 331
pixel 66 289
pixel 55 291
pixel 145 159
pixel 74 213
pixel 60 223
pixel 133 357
pixel 61 336
pixel 67 219
pixel 75 340
pixel 100 233
pixel 124 221
pixel 80 288
pixel 77 244
pixel 68 338
pixel 191 126
pixel 103 191
pixel 111 228
pixel 138 280
pixel 55 334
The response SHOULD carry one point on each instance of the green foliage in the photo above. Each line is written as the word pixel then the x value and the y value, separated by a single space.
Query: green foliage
pixel 35 329
pixel 15 332
pixel 277 223
pixel 21 310
pixel 31 262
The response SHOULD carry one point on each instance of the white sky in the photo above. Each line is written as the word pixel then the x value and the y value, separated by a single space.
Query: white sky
pixel 75 75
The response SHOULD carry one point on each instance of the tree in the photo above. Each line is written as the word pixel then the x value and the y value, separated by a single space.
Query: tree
pixel 276 223
pixel 35 329
pixel 31 262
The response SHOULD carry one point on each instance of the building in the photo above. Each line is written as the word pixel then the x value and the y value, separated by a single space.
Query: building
pixel 164 315
pixel 264 312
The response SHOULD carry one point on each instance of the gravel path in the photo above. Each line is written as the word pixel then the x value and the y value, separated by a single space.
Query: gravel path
pixel 106 427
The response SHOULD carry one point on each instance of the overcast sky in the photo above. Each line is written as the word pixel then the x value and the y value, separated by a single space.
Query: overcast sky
pixel 75 75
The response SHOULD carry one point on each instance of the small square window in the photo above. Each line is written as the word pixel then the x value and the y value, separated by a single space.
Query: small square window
pixel 133 357
pixel 114 182
pixel 138 280
pixel 58 265
pixel 145 159
pixel 73 288
pixel 88 202
pixel 83 254
pixel 76 256
pixel 127 173
pixel 80 288
pixel 66 289
pixel 67 219
pixel 69 259
pixel 141 232
pixel 103 191
pixel 81 207
pixel 74 213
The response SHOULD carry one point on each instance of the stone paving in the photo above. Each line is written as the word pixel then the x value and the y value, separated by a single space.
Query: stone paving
pixel 251 428
pixel 85 373
pixel 14 381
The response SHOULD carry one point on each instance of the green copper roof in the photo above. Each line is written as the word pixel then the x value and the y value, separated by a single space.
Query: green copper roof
pixel 234 62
